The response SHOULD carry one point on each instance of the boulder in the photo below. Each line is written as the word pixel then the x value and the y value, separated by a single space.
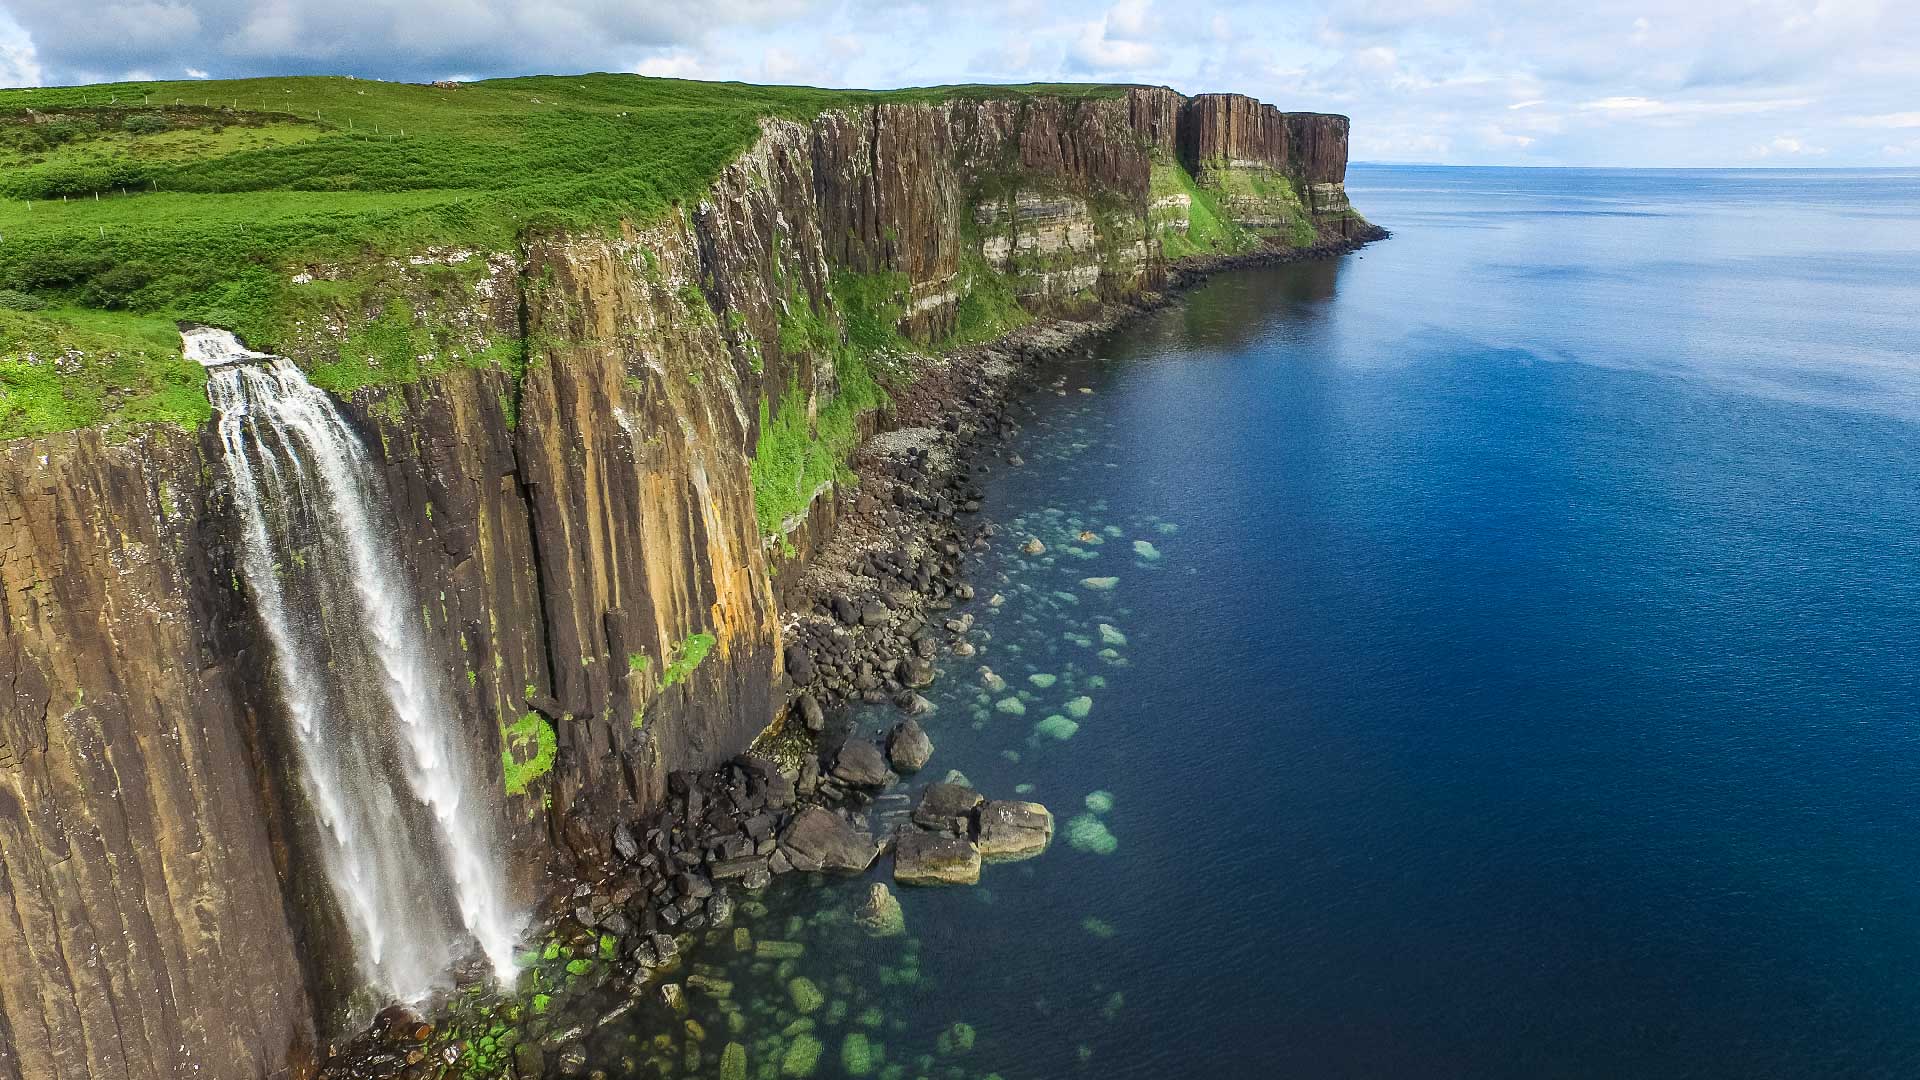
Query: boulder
pixel 924 858
pixel 799 665
pixel 624 844
pixel 881 914
pixel 860 764
pixel 908 747
pixel 916 673
pixel 947 807
pixel 811 714
pixel 819 839
pixel 1011 830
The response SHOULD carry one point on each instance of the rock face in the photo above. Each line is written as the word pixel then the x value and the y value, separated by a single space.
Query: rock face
pixel 586 537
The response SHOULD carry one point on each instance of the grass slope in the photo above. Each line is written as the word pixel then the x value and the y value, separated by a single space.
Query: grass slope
pixel 195 200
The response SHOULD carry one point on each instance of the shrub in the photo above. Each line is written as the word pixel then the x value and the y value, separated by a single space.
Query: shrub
pixel 146 124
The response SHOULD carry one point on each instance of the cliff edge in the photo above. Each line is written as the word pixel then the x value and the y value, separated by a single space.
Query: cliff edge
pixel 603 446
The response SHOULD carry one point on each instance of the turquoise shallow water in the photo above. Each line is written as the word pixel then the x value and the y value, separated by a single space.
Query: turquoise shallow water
pixel 1518 678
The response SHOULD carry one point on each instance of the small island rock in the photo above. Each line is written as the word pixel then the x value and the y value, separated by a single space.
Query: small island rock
pixel 1011 830
pixel 908 746
pixel 924 858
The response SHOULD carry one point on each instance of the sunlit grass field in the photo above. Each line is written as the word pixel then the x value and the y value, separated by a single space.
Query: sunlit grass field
pixel 126 206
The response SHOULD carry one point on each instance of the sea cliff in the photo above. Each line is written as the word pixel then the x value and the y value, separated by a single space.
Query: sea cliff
pixel 599 530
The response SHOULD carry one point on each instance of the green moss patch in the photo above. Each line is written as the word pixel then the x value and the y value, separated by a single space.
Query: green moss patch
pixel 529 745
pixel 685 657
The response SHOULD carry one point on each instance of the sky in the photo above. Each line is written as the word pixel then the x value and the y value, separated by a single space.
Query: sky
pixel 1805 83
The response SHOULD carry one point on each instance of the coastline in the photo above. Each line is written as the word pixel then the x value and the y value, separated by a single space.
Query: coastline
pixel 860 625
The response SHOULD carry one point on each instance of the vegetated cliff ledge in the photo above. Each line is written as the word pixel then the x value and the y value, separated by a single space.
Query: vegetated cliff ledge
pixel 601 443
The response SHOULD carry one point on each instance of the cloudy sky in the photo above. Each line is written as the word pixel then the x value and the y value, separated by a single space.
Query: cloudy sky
pixel 1550 82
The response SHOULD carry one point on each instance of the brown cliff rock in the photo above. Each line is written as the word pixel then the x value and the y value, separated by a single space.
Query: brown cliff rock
pixel 570 532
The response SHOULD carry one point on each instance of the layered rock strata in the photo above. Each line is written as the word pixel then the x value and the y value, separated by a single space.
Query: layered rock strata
pixel 600 580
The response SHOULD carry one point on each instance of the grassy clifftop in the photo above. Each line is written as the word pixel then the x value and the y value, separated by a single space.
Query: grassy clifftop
pixel 122 205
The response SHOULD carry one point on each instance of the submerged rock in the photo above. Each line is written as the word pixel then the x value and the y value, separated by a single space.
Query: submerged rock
pixel 1033 546
pixel 1099 801
pixel 857 1055
pixel 1088 833
pixel 802 1056
pixel 957 1039
pixel 1057 727
pixel 908 746
pixel 924 858
pixel 1100 584
pixel 881 915
pixel 806 996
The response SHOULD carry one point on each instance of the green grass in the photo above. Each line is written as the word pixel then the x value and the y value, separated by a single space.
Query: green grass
pixel 988 309
pixel 796 454
pixel 62 369
pixel 686 656
pixel 530 746
pixel 195 200
pixel 1210 231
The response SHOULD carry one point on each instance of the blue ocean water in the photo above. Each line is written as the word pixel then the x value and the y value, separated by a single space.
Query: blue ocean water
pixel 1518 677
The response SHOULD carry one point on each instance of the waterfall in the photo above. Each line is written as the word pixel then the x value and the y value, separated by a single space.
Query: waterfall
pixel 406 834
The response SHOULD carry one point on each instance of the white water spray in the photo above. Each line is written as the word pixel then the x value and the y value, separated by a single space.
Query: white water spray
pixel 408 845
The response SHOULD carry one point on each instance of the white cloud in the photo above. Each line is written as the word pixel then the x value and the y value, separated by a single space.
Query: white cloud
pixel 673 64
pixel 1117 42
pixel 1495 136
pixel 196 73
pixel 1885 120
pixel 19 63
pixel 1650 107
pixel 1787 146
pixel 1599 82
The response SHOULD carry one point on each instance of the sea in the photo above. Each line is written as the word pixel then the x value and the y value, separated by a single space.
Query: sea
pixel 1492 653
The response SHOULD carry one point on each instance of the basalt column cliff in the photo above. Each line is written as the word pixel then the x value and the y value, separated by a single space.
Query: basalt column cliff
pixel 591 539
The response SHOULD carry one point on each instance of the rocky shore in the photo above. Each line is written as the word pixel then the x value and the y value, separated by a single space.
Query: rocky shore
pixel 867 621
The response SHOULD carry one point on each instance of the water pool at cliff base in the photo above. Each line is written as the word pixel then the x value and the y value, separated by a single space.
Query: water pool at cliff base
pixel 1487 655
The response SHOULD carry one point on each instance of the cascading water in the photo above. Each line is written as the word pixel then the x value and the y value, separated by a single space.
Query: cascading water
pixel 407 842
